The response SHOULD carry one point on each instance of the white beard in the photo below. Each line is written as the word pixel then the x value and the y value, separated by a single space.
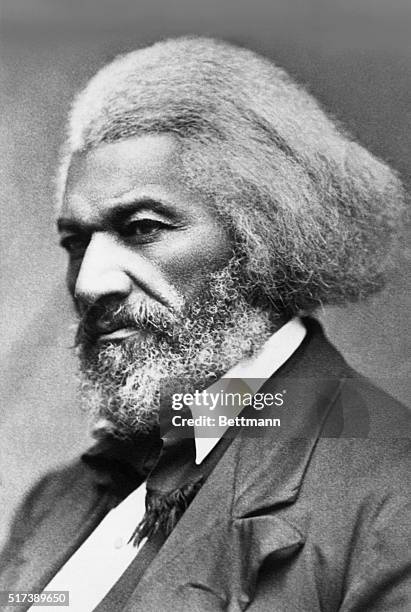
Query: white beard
pixel 125 384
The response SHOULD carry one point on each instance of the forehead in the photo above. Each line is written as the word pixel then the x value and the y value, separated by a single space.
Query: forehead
pixel 144 166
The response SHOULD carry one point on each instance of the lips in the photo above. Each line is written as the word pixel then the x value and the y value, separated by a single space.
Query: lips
pixel 106 321
pixel 118 334
pixel 105 330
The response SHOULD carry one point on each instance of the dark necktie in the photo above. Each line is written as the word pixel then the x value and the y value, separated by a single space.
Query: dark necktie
pixel 171 487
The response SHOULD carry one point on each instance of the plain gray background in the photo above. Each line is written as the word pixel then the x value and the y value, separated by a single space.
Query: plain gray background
pixel 354 56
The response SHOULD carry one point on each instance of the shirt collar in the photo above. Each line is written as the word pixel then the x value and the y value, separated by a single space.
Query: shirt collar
pixel 273 354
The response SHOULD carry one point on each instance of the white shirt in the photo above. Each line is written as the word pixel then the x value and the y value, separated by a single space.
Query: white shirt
pixel 96 566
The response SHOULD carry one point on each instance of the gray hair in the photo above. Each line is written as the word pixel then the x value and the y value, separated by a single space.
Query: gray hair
pixel 313 213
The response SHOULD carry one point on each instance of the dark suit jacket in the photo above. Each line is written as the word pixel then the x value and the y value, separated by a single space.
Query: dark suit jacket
pixel 310 516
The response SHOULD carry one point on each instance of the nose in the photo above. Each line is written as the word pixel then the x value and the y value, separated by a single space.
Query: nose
pixel 101 272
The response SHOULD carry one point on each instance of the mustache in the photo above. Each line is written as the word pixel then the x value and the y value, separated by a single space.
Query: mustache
pixel 103 317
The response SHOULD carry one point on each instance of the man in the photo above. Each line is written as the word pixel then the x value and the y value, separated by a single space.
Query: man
pixel 207 204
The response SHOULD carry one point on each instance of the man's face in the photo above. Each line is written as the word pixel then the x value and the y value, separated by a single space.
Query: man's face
pixel 132 228
pixel 153 277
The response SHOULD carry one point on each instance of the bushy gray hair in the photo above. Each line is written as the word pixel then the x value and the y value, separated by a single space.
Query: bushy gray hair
pixel 313 213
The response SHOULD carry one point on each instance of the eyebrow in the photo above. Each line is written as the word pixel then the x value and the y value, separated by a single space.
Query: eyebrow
pixel 119 213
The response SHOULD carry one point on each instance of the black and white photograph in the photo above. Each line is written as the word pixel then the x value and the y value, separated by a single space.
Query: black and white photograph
pixel 205 297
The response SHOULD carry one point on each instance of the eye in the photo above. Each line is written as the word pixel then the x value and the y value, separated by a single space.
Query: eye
pixel 75 244
pixel 143 228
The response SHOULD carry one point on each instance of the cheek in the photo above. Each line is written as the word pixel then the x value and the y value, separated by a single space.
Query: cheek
pixel 193 256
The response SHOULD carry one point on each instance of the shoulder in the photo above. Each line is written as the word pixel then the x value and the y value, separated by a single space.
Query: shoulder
pixel 386 417
pixel 360 409
pixel 66 487
pixel 364 446
pixel 72 479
